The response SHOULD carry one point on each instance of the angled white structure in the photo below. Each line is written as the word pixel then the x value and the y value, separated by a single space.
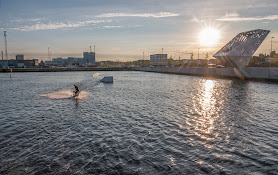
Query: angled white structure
pixel 239 51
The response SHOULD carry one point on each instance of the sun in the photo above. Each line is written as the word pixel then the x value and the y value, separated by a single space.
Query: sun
pixel 209 37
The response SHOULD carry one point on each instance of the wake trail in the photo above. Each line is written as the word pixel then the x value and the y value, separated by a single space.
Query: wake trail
pixel 65 94
pixel 68 93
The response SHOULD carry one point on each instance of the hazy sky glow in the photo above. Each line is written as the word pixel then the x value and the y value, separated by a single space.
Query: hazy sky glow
pixel 124 29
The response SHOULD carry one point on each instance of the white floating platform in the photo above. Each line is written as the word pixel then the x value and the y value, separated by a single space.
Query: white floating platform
pixel 108 79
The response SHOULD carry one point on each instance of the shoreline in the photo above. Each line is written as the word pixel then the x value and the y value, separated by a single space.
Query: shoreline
pixel 250 73
pixel 65 69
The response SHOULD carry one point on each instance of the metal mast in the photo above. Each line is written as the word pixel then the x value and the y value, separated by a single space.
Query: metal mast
pixel 6 49
pixel 48 53
pixel 271 45
pixel 198 53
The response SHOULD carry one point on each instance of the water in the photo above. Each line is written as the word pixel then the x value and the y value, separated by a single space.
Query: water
pixel 143 123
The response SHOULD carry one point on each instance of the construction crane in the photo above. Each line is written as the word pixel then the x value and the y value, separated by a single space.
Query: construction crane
pixel 6 49
pixel 191 53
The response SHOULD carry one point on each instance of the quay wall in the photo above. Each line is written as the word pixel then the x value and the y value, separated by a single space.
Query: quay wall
pixel 256 73
pixel 66 69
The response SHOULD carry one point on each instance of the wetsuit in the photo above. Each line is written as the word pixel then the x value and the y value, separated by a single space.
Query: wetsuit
pixel 76 89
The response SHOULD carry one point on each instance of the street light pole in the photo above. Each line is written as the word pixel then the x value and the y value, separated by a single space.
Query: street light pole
pixel 143 59
pixel 198 53
pixel 271 51
pixel 271 44
pixel 48 53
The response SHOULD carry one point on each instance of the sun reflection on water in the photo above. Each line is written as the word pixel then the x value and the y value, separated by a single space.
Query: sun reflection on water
pixel 205 106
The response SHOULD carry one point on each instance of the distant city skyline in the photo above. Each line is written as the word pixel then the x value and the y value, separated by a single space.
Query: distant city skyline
pixel 123 30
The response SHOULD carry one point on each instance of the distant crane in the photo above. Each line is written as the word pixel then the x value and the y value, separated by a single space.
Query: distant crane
pixel 6 49
pixel 191 53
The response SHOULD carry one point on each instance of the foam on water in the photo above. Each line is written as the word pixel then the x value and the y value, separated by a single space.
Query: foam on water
pixel 96 74
pixel 65 94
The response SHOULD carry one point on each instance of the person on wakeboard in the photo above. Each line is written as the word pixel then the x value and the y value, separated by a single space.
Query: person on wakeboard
pixel 76 90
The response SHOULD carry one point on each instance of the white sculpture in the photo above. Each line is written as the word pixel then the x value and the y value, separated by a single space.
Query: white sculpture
pixel 239 51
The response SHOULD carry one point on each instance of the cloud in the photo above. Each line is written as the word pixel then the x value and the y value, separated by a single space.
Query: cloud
pixel 145 15
pixel 59 25
pixel 232 15
pixel 109 27
pixel 27 20
pixel 237 18
pixel 129 26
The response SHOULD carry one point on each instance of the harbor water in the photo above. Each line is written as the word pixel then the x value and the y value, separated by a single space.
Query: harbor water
pixel 143 123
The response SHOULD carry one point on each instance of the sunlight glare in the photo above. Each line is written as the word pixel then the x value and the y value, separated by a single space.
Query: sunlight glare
pixel 209 37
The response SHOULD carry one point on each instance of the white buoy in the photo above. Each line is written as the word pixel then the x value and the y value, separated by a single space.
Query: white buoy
pixel 108 79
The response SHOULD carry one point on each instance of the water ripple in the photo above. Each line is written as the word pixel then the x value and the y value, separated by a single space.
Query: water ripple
pixel 143 123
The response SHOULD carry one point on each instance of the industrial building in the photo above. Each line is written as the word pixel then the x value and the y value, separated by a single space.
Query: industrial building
pixel 158 59
pixel 88 60
pixel 19 62
pixel 19 57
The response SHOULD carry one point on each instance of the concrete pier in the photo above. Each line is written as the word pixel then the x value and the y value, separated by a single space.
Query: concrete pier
pixel 255 73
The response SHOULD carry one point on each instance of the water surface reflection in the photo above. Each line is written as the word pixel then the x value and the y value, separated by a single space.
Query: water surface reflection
pixel 143 123
pixel 206 111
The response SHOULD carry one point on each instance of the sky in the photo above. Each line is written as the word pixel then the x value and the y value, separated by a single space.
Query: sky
pixel 122 30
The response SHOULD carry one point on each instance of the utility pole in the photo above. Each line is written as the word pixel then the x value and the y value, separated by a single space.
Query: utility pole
pixel 6 49
pixel 48 53
pixel 270 53
pixel 143 55
pixel 162 50
pixel 95 49
pixel 2 55
pixel 198 53
pixel 271 45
